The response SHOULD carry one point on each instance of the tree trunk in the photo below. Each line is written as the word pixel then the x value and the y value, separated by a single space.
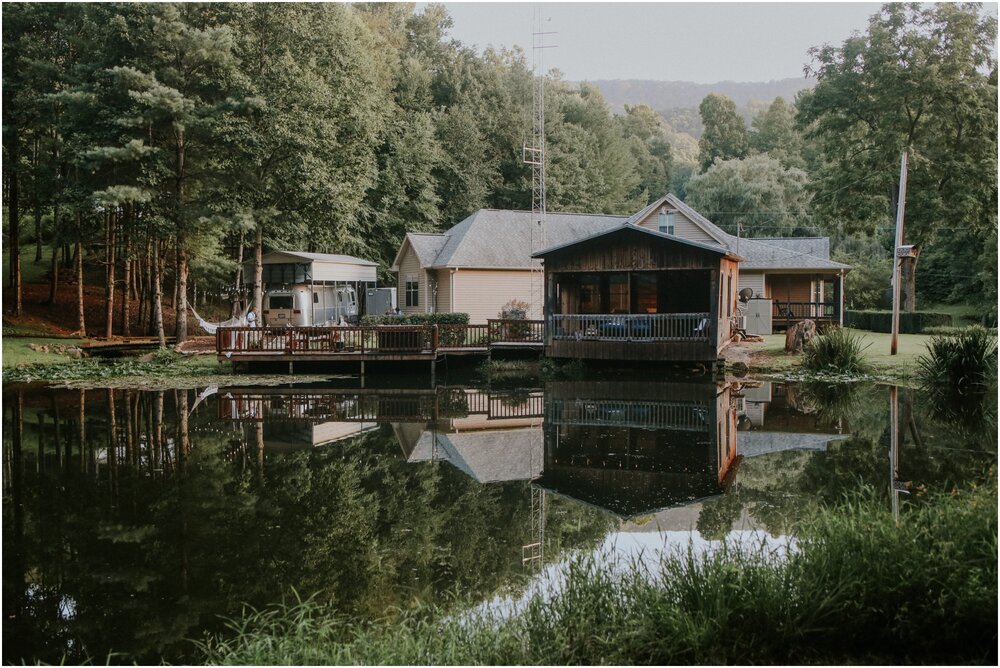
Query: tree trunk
pixel 112 452
pixel 236 309
pixel 38 232
pixel 54 284
pixel 126 284
pixel 180 303
pixel 109 289
pixel 908 282
pixel 79 290
pixel 258 270
pixel 158 299
pixel 142 281
pixel 13 212
pixel 82 429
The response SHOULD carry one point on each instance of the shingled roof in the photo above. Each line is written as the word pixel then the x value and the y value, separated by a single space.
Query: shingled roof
pixel 495 238
pixel 500 238
pixel 789 253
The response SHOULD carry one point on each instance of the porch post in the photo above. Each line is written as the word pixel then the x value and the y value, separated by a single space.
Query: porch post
pixel 840 300
pixel 549 306
pixel 714 287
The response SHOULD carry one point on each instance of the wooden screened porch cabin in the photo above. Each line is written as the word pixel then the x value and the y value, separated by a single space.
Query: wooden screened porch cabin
pixel 631 293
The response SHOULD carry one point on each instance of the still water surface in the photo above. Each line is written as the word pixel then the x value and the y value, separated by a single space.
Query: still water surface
pixel 134 520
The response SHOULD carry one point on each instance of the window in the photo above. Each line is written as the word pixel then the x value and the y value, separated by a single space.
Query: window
pixel 315 298
pixel 412 291
pixel 280 301
pixel 618 293
pixel 667 222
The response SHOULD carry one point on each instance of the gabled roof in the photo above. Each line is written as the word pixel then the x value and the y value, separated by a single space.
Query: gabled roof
pixel 502 239
pixel 791 253
pixel 276 257
pixel 425 246
pixel 494 455
pixel 635 229
pixel 710 228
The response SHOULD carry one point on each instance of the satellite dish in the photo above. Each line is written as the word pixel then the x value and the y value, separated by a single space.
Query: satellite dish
pixel 746 294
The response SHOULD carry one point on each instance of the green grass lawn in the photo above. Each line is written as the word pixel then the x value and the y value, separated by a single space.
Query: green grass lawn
pixel 17 350
pixel 962 315
pixel 902 364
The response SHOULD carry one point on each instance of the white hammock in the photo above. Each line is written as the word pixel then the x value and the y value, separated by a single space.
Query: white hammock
pixel 208 391
pixel 210 327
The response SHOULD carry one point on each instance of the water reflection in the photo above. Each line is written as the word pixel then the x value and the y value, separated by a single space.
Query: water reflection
pixel 635 447
pixel 132 520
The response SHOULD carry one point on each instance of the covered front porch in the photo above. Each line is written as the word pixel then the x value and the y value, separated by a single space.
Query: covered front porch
pixel 639 295
pixel 799 296
pixel 669 305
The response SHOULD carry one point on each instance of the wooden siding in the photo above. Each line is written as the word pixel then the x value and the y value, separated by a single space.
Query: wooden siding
pixel 755 281
pixel 634 254
pixel 482 292
pixel 729 269
pixel 443 302
pixel 409 266
pixel 684 227
pixel 654 351
pixel 789 287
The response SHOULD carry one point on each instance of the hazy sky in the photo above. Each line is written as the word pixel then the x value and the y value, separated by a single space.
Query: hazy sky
pixel 701 42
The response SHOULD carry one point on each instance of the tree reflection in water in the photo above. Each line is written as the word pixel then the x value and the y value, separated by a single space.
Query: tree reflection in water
pixel 133 520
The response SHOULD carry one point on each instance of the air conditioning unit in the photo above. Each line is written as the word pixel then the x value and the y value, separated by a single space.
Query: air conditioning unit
pixel 740 321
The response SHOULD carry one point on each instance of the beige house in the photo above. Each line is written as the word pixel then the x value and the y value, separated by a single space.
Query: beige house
pixel 485 261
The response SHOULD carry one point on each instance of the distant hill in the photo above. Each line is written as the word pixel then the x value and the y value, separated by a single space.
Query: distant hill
pixel 677 102
pixel 684 94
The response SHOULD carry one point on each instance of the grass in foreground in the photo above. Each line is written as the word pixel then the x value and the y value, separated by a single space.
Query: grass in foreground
pixel 771 357
pixel 859 589
pixel 164 364
pixel 839 351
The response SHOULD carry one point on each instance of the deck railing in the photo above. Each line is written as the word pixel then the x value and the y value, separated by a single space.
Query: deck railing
pixel 632 327
pixel 680 416
pixel 803 310
pixel 386 339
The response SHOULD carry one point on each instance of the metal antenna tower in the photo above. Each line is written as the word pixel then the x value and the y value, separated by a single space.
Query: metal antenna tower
pixel 534 552
pixel 534 154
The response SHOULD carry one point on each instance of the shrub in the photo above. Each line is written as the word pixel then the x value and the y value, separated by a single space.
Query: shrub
pixel 965 362
pixel 447 337
pixel 416 319
pixel 953 331
pixel 515 309
pixel 909 323
pixel 840 351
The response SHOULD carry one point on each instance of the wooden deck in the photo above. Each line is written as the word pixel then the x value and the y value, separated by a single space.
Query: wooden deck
pixel 259 404
pixel 382 343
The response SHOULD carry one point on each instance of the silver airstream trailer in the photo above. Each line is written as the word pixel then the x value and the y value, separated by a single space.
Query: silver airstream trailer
pixel 306 305
pixel 311 289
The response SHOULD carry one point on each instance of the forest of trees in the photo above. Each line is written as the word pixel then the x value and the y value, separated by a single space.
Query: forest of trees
pixel 161 145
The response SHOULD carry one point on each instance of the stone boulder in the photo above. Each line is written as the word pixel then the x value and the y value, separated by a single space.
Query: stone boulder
pixel 798 335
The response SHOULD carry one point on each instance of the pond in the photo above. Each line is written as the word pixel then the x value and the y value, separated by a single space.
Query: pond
pixel 134 520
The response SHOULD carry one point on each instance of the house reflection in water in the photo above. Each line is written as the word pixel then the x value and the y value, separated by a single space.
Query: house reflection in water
pixel 490 436
pixel 636 447
pixel 628 447
pixel 294 418
pixel 772 418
